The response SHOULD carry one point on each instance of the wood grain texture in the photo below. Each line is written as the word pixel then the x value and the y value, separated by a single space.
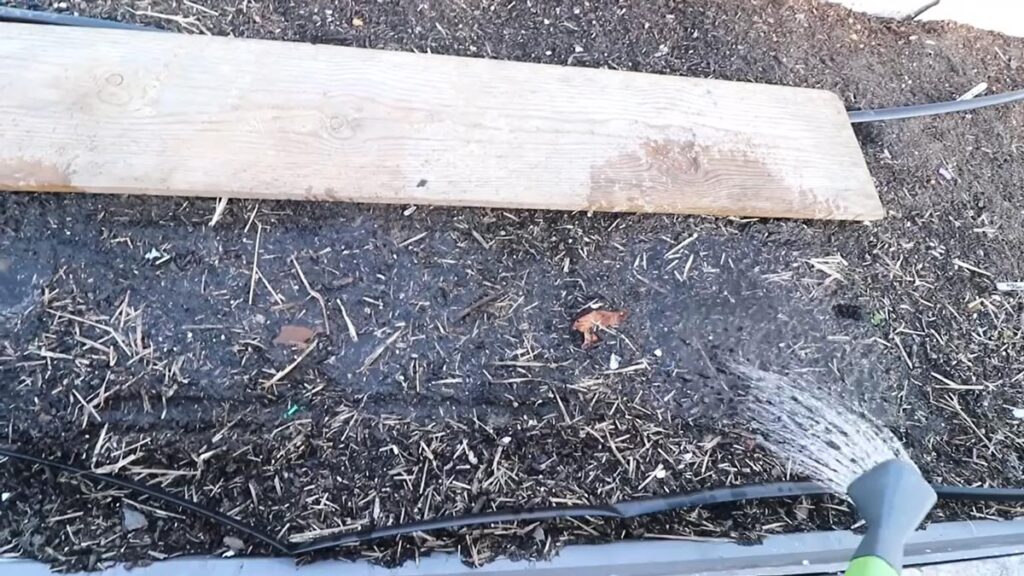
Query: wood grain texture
pixel 169 114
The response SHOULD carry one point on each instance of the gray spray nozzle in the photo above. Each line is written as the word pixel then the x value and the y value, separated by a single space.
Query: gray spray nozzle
pixel 893 498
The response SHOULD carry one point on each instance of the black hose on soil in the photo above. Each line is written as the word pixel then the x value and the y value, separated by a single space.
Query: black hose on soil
pixel 153 492
pixel 901 112
pixel 625 509
pixel 59 19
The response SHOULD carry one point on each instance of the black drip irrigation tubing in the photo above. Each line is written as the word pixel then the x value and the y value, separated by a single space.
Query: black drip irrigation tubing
pixel 901 112
pixel 620 510
pixel 58 19
pixel 153 492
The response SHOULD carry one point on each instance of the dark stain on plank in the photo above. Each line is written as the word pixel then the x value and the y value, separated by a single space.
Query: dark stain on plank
pixel 30 175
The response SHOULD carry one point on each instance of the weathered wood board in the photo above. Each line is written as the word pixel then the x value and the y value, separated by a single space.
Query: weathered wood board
pixel 168 114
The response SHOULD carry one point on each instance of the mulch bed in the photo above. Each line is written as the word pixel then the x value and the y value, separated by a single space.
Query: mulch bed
pixel 439 372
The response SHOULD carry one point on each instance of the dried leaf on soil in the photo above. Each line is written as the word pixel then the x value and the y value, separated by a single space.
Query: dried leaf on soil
pixel 589 323
pixel 292 335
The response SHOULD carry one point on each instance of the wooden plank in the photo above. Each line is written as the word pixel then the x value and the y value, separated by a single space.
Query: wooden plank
pixel 169 114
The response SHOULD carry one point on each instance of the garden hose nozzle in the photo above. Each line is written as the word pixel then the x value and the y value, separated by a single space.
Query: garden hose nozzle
pixel 893 498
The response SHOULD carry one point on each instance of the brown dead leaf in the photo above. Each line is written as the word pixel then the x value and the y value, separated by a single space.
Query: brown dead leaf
pixel 589 323
pixel 297 336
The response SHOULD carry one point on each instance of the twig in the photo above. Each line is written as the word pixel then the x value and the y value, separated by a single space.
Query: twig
pixel 99 445
pixel 413 239
pixel 917 13
pixel 352 332
pixel 314 294
pixel 615 449
pixel 106 329
pixel 314 534
pixel 949 384
pixel 287 369
pixel 561 407
pixel 155 511
pixel 478 305
pixel 967 266
pixel 273 293
pixel 255 262
pixel 830 265
pixel 111 468
pixel 977 90
pixel 218 210
pixel 184 22
pixel 380 350
pixel 954 404
pixel 201 8
pixel 252 217
pixel 88 409
pixel 674 252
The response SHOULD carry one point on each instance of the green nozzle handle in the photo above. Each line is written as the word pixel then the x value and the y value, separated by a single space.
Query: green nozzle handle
pixel 870 566
pixel 893 498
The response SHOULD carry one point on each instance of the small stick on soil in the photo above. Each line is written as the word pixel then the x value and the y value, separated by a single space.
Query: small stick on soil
pixel 314 294
pixel 161 472
pixel 415 238
pixel 314 534
pixel 88 409
pixel 380 350
pixel 478 305
pixel 976 91
pixel 106 329
pixel 287 369
pixel 917 13
pixel 615 450
pixel 184 22
pixel 201 8
pixel 674 252
pixel 218 210
pixel 967 266
pixel 273 293
pixel 252 218
pixel 686 270
pixel 830 265
pixel 903 352
pixel 255 262
pixel 352 332
pixel 99 446
pixel 113 468
pixel 954 404
pixel 561 407
pixel 480 239
pixel 949 384
pixel 155 511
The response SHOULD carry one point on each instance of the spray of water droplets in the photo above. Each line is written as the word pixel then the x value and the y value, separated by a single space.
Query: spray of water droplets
pixel 813 431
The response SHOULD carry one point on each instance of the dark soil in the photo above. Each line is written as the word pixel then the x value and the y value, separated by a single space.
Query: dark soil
pixel 128 342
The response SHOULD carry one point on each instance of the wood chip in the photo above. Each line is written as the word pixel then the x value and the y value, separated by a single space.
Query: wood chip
pixel 293 335
pixel 592 321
